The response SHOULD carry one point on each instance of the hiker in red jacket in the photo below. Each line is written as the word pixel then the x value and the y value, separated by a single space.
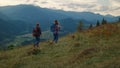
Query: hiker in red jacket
pixel 36 34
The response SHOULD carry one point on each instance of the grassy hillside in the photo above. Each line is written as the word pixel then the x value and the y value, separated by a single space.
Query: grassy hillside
pixel 98 47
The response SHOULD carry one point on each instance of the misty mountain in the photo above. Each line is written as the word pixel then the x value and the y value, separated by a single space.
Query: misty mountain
pixel 45 16
pixel 2 16
pixel 35 14
pixel 32 14
pixel 11 28
pixel 89 16
pixel 70 24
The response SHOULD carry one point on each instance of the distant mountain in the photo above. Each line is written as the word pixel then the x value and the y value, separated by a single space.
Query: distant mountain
pixel 32 14
pixel 11 28
pixel 89 16
pixel 70 24
pixel 45 17
pixel 2 16
pixel 67 23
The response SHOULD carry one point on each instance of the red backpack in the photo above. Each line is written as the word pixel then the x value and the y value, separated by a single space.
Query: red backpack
pixel 36 32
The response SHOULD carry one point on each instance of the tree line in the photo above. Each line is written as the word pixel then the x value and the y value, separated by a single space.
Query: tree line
pixel 98 23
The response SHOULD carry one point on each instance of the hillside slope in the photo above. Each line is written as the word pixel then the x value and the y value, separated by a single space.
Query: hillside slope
pixel 98 47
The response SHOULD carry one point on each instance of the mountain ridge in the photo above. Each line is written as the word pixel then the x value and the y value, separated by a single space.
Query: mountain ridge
pixel 57 13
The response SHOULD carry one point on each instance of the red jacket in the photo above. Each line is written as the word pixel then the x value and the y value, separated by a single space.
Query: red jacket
pixel 37 31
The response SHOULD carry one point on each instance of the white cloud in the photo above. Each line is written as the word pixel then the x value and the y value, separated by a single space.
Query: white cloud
pixel 115 3
pixel 98 6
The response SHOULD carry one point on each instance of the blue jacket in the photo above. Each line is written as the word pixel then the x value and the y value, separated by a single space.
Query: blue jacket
pixel 55 28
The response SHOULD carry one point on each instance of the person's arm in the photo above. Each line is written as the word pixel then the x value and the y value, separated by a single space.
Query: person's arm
pixel 33 32
pixel 59 27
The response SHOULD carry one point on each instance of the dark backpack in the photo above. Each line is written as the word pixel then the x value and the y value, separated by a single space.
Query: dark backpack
pixel 36 32
pixel 52 28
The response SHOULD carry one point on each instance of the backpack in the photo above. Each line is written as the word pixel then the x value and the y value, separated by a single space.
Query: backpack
pixel 52 28
pixel 55 28
pixel 36 32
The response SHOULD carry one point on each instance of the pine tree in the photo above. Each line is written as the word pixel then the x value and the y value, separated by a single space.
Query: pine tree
pixel 98 23
pixel 104 21
pixel 90 26
pixel 80 26
pixel 119 20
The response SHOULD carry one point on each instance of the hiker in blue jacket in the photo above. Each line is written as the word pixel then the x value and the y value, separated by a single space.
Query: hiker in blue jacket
pixel 55 29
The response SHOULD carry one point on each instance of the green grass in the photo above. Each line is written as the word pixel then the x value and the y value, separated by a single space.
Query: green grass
pixel 87 50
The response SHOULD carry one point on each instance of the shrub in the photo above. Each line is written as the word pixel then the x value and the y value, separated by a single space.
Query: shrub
pixel 11 47
pixel 104 21
pixel 98 23
pixel 90 26
pixel 80 26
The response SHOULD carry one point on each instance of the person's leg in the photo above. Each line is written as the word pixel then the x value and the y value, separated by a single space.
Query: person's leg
pixel 38 41
pixel 56 40
pixel 35 42
pixel 54 37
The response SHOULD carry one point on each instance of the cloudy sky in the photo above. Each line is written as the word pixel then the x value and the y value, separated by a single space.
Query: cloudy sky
pixel 97 6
